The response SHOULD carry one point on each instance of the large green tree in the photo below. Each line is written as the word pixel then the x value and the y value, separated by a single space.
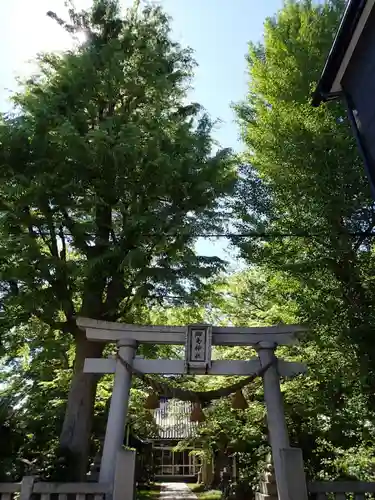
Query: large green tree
pixel 304 183
pixel 107 176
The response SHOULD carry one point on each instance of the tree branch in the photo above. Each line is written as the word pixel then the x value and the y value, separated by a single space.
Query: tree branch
pixel 51 226
pixel 63 243
pixel 79 239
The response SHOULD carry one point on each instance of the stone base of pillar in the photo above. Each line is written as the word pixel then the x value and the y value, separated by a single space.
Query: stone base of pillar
pixel 124 483
pixel 267 485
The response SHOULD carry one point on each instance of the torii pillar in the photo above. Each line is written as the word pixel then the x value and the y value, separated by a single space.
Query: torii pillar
pixel 118 410
pixel 278 433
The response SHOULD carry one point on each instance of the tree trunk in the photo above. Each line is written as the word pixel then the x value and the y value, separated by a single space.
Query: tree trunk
pixel 221 461
pixel 76 431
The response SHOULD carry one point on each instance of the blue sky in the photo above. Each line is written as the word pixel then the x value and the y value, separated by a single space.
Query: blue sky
pixel 217 30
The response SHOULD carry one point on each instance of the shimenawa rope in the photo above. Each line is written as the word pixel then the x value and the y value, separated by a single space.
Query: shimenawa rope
pixel 168 391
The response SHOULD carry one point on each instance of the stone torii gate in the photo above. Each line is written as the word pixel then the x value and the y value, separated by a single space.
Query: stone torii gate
pixel 198 341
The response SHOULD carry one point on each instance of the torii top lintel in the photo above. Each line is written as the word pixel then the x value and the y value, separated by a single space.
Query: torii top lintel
pixel 106 331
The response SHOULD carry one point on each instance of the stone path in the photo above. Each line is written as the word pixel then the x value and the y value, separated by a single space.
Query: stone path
pixel 178 491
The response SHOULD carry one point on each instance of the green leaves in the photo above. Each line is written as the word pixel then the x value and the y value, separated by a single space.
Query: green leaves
pixel 109 166
pixel 304 185
pixel 107 178
pixel 305 178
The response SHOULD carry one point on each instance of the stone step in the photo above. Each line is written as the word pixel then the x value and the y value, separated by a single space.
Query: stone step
pixel 268 488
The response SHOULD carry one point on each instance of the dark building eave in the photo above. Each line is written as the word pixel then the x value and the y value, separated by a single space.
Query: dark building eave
pixel 338 50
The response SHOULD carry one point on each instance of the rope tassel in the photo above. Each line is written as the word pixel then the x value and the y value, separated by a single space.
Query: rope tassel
pixel 238 401
pixel 197 414
pixel 152 401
